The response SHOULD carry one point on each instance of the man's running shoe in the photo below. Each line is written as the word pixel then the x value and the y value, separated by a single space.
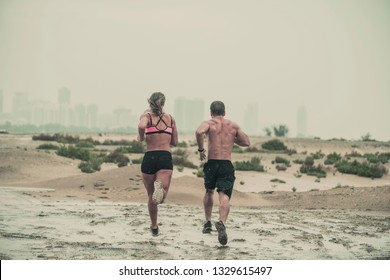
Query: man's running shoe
pixel 207 227
pixel 222 236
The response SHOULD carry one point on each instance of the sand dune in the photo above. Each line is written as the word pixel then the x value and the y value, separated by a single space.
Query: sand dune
pixel 50 210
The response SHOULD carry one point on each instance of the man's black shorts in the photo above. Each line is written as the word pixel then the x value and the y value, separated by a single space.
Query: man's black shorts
pixel 155 160
pixel 219 174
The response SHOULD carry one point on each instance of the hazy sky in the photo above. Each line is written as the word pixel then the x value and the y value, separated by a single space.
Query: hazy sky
pixel 332 56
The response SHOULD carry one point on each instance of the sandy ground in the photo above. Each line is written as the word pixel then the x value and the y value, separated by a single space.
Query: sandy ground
pixel 50 210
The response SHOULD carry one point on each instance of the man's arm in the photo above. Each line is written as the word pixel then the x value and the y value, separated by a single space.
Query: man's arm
pixel 200 134
pixel 241 138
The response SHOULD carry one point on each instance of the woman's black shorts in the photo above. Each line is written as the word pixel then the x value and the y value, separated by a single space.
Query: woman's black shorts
pixel 155 160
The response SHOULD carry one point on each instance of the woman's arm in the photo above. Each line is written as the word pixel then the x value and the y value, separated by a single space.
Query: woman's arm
pixel 175 137
pixel 143 124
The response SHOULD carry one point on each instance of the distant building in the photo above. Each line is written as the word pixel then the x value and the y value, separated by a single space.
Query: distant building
pixel 80 116
pixel 302 122
pixel 64 106
pixel 20 108
pixel 92 116
pixel 43 112
pixel 123 117
pixel 188 113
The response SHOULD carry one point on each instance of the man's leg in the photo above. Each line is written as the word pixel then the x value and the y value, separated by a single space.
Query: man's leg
pixel 224 206
pixel 208 204
pixel 208 208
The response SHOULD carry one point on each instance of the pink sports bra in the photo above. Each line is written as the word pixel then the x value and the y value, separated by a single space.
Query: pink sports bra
pixel 153 128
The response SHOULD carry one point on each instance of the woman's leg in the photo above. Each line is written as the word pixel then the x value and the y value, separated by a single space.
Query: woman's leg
pixel 148 180
pixel 164 176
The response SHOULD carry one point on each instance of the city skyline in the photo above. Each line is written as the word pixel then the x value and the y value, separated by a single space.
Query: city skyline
pixel 65 113
pixel 330 56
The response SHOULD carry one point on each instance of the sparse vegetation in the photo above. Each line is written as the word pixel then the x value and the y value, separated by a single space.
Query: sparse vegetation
pixel 73 152
pixel 310 169
pixel 47 146
pixel 200 173
pixel 281 160
pixel 92 165
pixel 280 131
pixel 117 157
pixel 253 164
pixel 274 145
pixel 318 155
pixel 281 167
pixel 275 180
pixel 377 157
pixel 137 161
pixel 332 158
pixel 180 158
pixel 364 169
pixel 182 144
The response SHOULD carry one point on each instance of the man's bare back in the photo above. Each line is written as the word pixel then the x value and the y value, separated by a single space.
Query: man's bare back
pixel 222 135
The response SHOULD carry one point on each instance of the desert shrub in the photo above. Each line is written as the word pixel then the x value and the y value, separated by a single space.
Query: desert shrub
pixel 237 149
pixel 182 161
pixel 278 181
pixel 132 147
pixel 291 152
pixel 298 161
pixel 377 158
pixel 253 164
pixel 180 158
pixel 180 152
pixel 86 167
pixel 123 161
pixel 109 142
pixel 117 157
pixel 85 144
pixel 282 160
pixel 252 149
pixel 310 169
pixel 91 166
pixel 63 138
pixel 43 137
pixel 318 155
pixel 200 173
pixel 47 147
pixel 280 131
pixel 364 169
pixel 274 145
pixel 137 161
pixel 332 158
pixel 354 154
pixel 182 144
pixel 309 161
pixel 73 152
pixel 66 139
pixel 281 167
